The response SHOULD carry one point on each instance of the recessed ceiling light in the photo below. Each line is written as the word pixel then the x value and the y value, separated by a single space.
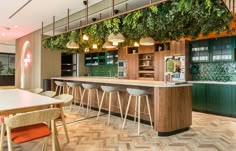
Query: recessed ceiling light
pixel 16 26
pixel 3 34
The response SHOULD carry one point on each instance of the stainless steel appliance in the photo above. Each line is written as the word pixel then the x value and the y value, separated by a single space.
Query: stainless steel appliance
pixel 122 69
pixel 175 68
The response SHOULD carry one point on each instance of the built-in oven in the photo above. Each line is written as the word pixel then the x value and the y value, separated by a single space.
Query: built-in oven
pixel 122 64
pixel 122 74
pixel 122 69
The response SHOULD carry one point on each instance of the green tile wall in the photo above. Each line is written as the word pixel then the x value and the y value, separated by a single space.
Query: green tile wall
pixel 222 71
pixel 103 70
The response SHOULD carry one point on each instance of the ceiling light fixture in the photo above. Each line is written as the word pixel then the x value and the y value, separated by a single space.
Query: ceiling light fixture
pixel 148 41
pixel 72 45
pixel 136 44
pixel 115 43
pixel 85 37
pixel 108 45
pixel 95 46
pixel 86 50
pixel 3 34
pixel 116 37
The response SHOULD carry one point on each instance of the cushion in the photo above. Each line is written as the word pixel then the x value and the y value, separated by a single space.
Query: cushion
pixel 28 133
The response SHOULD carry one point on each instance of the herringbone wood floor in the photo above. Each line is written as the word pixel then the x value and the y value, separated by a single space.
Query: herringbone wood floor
pixel 208 133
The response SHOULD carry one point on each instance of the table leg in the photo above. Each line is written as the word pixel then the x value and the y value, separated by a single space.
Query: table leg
pixel 2 136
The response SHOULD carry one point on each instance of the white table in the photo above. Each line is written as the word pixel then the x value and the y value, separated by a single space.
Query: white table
pixel 14 101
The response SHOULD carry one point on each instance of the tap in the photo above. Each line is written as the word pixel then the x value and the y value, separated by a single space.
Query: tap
pixel 89 74
pixel 109 73
pixel 168 77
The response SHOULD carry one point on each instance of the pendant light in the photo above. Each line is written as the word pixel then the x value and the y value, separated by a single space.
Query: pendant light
pixel 115 43
pixel 86 50
pixel 72 45
pixel 136 44
pixel 95 46
pixel 85 37
pixel 72 42
pixel 108 45
pixel 116 37
pixel 148 41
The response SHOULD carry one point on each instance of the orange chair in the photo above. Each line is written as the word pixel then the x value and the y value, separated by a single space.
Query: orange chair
pixel 29 126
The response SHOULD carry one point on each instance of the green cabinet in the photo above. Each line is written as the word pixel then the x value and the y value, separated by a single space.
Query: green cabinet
pixel 223 49
pixel 200 51
pixel 219 98
pixel 233 100
pixel 199 96
pixel 214 98
pixel 213 50
pixel 101 58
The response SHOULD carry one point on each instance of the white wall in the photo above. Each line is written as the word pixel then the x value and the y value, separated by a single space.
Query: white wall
pixel 44 63
pixel 7 48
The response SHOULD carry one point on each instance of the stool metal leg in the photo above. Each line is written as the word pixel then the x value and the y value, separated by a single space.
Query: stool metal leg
pixel 139 99
pixel 127 109
pixel 97 97
pixel 135 109
pixel 103 94
pixel 149 112
pixel 88 102
pixel 82 99
pixel 109 110
pixel 118 94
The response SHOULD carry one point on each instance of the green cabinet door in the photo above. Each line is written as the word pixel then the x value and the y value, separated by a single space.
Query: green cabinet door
pixel 233 100
pixel 199 97
pixel 219 98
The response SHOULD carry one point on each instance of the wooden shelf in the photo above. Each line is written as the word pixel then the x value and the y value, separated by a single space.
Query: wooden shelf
pixel 147 59
pixel 146 78
pixel 145 71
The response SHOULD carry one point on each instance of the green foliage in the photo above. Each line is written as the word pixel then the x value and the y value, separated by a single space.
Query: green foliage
pixel 171 20
pixel 1 67
pixel 11 71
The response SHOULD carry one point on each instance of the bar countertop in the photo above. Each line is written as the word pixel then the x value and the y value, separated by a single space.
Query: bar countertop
pixel 108 80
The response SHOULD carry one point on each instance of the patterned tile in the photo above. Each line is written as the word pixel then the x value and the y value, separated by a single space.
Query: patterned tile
pixel 217 71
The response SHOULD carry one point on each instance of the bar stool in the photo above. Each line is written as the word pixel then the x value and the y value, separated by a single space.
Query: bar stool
pixel 60 85
pixel 89 88
pixel 138 93
pixel 110 90
pixel 71 88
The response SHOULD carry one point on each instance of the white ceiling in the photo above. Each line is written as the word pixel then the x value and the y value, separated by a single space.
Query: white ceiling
pixel 30 18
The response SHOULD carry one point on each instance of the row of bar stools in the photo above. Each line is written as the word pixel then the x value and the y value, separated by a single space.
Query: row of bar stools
pixel 138 93
pixel 89 87
pixel 110 90
pixel 72 88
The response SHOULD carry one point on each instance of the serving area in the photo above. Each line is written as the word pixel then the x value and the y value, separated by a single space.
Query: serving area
pixel 171 105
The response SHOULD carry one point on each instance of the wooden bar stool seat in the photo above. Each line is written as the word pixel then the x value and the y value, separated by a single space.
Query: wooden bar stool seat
pixel 110 90
pixel 89 87
pixel 138 93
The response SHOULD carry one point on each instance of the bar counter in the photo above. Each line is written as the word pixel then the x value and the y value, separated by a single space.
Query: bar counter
pixel 171 105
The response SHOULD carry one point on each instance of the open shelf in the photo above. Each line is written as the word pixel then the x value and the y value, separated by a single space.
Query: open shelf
pixel 146 66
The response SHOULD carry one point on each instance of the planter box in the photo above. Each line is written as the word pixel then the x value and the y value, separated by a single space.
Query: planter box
pixel 7 80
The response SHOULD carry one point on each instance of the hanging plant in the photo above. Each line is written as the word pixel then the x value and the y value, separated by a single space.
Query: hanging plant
pixel 171 20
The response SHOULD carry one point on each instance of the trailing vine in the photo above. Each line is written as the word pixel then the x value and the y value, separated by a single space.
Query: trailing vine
pixel 171 20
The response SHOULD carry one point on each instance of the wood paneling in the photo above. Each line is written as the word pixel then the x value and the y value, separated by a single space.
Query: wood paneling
pixel 176 48
pixel 122 53
pixel 173 108
pixel 132 66
pixel 146 49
